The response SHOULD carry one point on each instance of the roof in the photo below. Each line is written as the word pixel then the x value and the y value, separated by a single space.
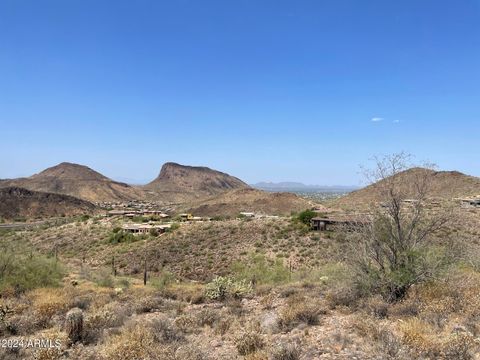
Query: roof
pixel 144 226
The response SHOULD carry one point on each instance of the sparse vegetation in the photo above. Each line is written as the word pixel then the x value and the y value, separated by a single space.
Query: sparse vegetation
pixel 268 288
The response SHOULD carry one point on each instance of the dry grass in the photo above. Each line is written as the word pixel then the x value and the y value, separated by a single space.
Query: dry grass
pixel 137 341
pixel 249 341
pixel 285 351
pixel 300 309
pixel 47 302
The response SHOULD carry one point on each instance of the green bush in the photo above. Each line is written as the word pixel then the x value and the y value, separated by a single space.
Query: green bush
pixel 22 271
pixel 221 288
pixel 165 279
pixel 306 216
pixel 119 236
pixel 173 227
pixel 259 269
pixel 102 277
pixel 415 266
pixel 154 232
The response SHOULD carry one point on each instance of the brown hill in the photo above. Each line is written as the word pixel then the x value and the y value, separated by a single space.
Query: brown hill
pixel 233 202
pixel 180 184
pixel 17 202
pixel 78 181
pixel 443 185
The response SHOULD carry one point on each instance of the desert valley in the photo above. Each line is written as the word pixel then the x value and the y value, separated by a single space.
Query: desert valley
pixel 197 264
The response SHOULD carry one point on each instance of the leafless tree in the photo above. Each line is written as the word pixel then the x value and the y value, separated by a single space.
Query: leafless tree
pixel 392 249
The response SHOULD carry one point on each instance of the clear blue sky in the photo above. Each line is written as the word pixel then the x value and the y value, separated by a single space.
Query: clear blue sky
pixel 265 90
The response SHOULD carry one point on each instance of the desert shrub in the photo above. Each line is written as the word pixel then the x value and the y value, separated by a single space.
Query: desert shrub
pixel 207 316
pixel 137 341
pixel 260 270
pixel 123 283
pixel 288 291
pixel 23 271
pixel 163 280
pixel 154 232
pixel 147 304
pixel 111 315
pixel 299 310
pixel 419 336
pixel 306 216
pixel 165 331
pixel 221 288
pixel 190 352
pixel 187 292
pixel 52 353
pixel 267 301
pixel 47 302
pixel 388 344
pixel 173 227
pixel 393 250
pixel 186 323
pixel 285 351
pixel 376 306
pixel 102 277
pixel 120 236
pixel 342 296
pixel 222 325
pixel 249 341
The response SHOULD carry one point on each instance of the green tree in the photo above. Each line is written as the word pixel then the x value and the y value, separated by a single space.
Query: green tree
pixel 306 216
pixel 393 250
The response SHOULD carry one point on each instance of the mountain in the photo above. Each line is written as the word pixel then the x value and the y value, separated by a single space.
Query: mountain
pixel 251 200
pixel 78 181
pixel 443 185
pixel 180 183
pixel 17 202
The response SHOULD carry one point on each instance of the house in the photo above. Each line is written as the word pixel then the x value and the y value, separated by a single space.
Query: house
pixel 144 228
pixel 186 216
pixel 320 224
pixel 247 214
pixel 117 212
pixel 155 213
pixel 470 203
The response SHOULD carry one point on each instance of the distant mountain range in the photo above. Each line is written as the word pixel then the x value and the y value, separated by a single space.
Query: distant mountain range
pixel 298 186
pixel 186 187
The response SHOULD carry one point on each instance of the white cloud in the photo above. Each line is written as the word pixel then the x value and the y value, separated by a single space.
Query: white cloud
pixel 377 119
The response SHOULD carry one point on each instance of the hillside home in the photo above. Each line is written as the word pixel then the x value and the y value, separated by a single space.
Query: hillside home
pixel 144 228
pixel 470 203
pixel 247 214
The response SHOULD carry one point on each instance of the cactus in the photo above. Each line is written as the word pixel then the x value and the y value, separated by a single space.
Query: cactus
pixel 74 324
pixel 222 287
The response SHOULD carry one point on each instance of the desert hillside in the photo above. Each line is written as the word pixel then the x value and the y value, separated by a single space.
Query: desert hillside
pixel 78 181
pixel 443 185
pixel 179 183
pixel 22 203
pixel 252 200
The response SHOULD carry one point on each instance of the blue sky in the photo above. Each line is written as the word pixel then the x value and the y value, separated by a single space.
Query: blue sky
pixel 265 90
